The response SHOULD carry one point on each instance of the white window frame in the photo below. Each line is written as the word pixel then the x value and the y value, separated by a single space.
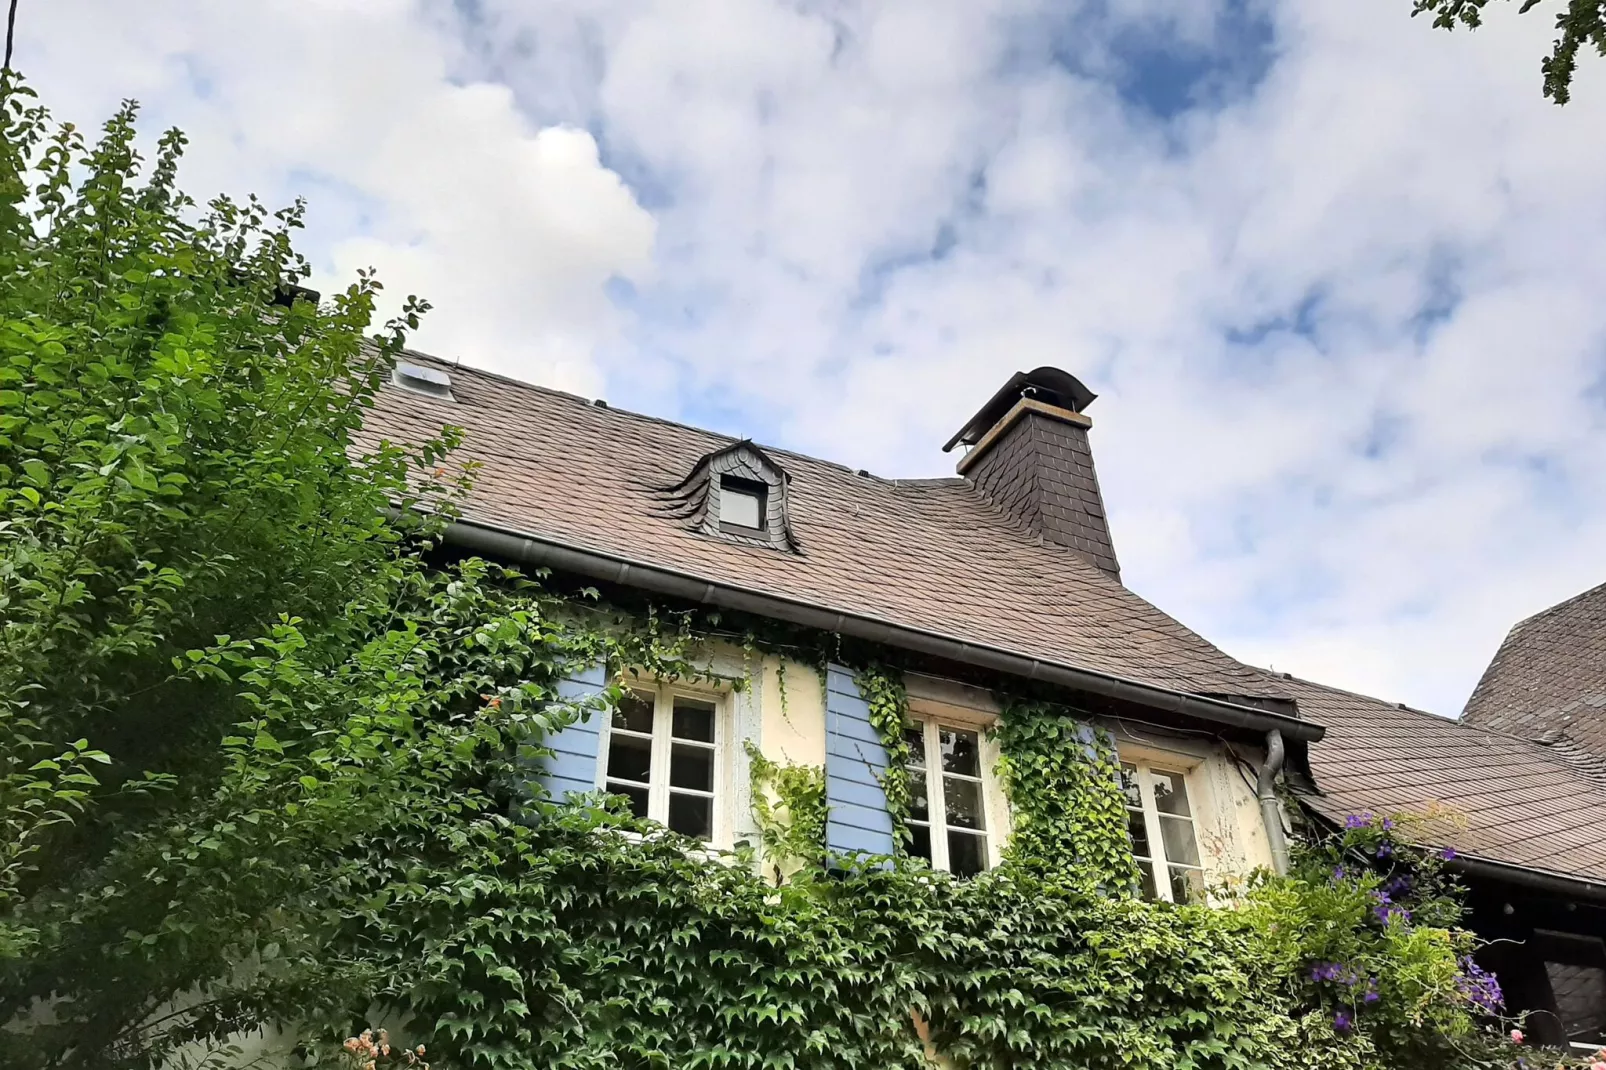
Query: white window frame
pixel 661 748
pixel 1152 821
pixel 995 827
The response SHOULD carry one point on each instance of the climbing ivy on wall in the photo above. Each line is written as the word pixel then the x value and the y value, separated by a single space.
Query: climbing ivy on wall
pixel 791 826
pixel 1062 779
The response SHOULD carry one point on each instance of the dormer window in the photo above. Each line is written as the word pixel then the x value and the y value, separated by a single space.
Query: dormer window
pixel 736 493
pixel 741 504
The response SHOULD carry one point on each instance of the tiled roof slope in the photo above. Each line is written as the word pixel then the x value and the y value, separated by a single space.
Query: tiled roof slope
pixel 931 554
pixel 937 555
pixel 1496 796
pixel 1548 679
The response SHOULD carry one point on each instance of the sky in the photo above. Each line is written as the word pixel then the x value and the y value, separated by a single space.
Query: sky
pixel 1338 278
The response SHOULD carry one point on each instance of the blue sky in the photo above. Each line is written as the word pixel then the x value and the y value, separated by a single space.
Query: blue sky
pixel 1336 276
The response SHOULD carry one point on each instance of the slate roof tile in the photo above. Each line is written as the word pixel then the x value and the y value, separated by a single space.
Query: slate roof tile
pixel 1549 676
pixel 937 555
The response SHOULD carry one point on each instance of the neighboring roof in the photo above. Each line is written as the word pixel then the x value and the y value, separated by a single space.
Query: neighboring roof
pixel 1548 679
pixel 1489 795
pixel 930 553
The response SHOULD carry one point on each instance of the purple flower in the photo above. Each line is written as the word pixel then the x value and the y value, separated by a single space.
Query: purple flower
pixel 1386 910
pixel 1358 821
pixel 1388 823
pixel 1384 850
pixel 1448 854
pixel 1342 1022
pixel 1479 987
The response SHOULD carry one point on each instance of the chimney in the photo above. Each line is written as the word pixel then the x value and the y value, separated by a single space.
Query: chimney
pixel 1029 453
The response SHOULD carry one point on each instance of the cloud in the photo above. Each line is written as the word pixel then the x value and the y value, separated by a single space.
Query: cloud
pixel 1331 271
pixel 413 165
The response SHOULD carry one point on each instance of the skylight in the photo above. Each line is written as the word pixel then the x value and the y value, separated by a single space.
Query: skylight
pixel 422 380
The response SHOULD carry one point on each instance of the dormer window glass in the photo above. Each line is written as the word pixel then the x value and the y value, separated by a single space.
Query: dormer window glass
pixel 741 503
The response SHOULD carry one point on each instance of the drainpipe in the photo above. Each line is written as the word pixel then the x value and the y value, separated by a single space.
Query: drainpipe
pixel 1270 815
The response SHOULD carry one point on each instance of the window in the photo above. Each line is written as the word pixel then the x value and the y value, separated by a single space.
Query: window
pixel 663 755
pixel 947 805
pixel 1164 842
pixel 741 503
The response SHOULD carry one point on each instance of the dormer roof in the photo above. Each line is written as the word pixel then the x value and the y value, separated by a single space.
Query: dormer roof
pixel 701 500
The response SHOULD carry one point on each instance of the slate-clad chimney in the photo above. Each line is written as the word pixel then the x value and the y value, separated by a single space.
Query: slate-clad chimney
pixel 1029 452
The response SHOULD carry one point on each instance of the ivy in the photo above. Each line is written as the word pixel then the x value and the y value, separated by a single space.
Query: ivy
pixel 1063 781
pixel 883 691
pixel 791 828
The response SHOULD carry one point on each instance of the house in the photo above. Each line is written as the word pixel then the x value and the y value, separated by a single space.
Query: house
pixel 1001 578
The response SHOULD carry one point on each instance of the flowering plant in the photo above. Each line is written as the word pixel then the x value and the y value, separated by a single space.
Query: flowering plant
pixel 372 1050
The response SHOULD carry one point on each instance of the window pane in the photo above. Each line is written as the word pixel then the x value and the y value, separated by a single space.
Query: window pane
pixel 1187 885
pixel 691 767
pixel 959 752
pixel 1140 833
pixel 916 738
pixel 967 853
pixel 921 847
pixel 635 712
pixel 1146 881
pixel 692 815
pixel 739 506
pixel 1170 793
pixel 1129 785
pixel 637 797
pixel 1177 835
pixel 919 807
pixel 961 801
pixel 629 757
pixel 694 719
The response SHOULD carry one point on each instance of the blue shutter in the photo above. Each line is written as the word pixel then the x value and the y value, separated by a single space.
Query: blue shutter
pixel 572 768
pixel 854 760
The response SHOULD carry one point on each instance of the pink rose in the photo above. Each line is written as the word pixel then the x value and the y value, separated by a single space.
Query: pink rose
pixel 1516 1036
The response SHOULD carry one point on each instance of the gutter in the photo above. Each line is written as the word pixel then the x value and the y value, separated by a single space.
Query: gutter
pixel 510 545
pixel 1536 879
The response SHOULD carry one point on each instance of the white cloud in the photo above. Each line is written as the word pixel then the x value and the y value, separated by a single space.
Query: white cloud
pixel 439 181
pixel 1405 198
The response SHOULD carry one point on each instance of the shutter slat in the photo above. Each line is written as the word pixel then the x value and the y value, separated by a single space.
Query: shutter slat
pixel 858 821
pixel 572 768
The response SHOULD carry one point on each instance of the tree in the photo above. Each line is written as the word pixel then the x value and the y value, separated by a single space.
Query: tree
pixel 1579 23
pixel 225 674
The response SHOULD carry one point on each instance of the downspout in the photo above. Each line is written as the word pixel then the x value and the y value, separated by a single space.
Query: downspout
pixel 1270 814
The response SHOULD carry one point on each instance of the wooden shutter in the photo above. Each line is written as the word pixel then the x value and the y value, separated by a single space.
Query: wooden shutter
pixel 854 761
pixel 572 768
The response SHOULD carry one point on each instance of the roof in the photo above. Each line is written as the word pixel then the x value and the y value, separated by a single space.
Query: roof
pixel 936 555
pixel 932 554
pixel 1489 794
pixel 1548 679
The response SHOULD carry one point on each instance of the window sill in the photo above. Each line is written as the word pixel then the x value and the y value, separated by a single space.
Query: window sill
pixel 700 853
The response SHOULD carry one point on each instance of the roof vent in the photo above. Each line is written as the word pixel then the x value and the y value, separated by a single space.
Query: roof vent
pixel 422 380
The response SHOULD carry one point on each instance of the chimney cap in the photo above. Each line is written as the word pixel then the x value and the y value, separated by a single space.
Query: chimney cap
pixel 1049 385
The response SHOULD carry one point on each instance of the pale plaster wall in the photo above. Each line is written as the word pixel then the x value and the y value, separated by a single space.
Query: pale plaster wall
pixel 792 719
